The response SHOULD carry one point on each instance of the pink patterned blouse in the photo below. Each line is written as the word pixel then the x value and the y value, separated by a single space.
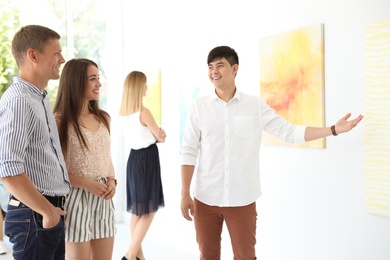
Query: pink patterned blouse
pixel 93 162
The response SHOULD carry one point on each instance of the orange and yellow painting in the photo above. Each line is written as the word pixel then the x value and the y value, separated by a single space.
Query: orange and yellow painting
pixel 152 100
pixel 292 79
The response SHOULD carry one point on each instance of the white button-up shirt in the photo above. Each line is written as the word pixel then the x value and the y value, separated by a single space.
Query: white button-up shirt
pixel 223 141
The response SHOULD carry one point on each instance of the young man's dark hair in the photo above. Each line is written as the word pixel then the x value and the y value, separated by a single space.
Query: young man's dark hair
pixel 223 52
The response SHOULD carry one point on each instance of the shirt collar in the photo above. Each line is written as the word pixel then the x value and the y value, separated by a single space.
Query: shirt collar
pixel 31 87
pixel 237 95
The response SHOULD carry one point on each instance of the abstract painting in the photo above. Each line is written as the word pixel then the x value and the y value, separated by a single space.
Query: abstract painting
pixel 292 79
pixel 377 118
pixel 152 100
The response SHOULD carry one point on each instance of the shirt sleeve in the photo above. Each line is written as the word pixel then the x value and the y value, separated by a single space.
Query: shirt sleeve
pixel 191 138
pixel 14 136
pixel 280 127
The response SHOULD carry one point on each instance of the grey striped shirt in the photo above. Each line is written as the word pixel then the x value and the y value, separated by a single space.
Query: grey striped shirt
pixel 29 141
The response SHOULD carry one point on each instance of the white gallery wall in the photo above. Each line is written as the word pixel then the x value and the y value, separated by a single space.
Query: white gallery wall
pixel 312 207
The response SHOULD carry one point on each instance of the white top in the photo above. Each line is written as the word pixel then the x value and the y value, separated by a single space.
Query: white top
pixel 135 134
pixel 223 140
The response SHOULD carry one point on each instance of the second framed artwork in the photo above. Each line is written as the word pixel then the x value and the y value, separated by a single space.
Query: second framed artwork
pixel 153 99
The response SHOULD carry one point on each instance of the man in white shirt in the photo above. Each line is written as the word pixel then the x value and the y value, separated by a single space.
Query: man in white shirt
pixel 222 138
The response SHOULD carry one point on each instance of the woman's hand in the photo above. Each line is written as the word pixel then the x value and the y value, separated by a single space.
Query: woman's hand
pixel 111 189
pixel 97 188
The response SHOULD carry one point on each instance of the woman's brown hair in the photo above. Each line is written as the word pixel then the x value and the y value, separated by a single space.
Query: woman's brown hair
pixel 70 101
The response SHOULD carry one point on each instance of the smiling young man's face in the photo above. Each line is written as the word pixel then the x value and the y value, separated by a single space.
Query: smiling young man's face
pixel 222 74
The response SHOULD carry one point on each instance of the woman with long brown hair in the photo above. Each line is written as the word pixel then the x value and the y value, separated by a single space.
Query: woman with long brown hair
pixel 84 131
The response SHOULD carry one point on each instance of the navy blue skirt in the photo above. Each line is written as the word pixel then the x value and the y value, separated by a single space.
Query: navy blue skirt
pixel 144 187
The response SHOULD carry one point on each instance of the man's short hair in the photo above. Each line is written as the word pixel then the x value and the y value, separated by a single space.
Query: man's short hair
pixel 31 37
pixel 223 52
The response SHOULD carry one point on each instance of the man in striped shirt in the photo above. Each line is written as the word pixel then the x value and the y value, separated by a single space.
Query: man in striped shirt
pixel 32 166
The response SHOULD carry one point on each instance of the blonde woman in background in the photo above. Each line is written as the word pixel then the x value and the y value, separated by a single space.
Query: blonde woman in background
pixel 84 131
pixel 144 187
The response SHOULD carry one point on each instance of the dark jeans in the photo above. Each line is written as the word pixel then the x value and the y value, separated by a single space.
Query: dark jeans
pixel 30 240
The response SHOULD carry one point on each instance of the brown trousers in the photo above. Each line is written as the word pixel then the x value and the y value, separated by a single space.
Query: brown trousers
pixel 240 222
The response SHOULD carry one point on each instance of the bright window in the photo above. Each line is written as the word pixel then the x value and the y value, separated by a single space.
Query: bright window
pixel 82 26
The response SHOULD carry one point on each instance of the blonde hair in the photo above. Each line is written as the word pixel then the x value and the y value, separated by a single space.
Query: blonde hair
pixel 133 93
